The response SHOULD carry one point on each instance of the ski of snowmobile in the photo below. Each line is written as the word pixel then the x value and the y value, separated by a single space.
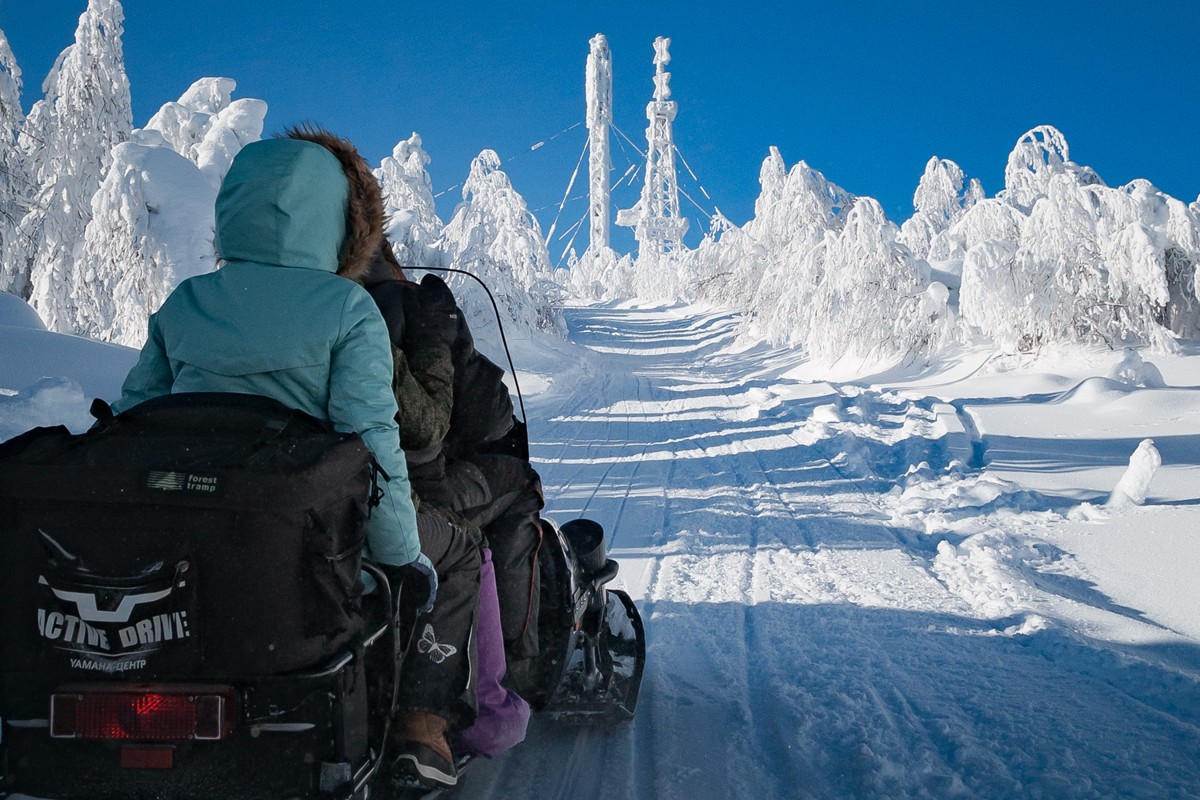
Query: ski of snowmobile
pixel 602 679
pixel 598 673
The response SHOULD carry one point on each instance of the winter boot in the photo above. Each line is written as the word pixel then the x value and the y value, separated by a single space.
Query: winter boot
pixel 422 752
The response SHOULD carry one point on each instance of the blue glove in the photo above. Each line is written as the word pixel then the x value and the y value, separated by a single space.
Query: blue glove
pixel 424 568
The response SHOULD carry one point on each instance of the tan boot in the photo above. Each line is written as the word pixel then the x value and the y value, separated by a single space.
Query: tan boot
pixel 422 751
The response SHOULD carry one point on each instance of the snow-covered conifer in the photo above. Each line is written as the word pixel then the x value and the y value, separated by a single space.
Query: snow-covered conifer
pixel 152 217
pixel 151 227
pixel 229 130
pixel 184 122
pixel 84 114
pixel 15 189
pixel 493 236
pixel 413 224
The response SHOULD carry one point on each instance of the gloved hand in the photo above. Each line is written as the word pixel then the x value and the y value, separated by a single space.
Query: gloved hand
pixel 423 567
pixel 433 320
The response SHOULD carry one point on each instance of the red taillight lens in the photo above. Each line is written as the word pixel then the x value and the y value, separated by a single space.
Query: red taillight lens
pixel 144 714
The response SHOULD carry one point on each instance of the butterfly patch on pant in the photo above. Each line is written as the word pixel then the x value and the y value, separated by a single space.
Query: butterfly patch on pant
pixel 429 644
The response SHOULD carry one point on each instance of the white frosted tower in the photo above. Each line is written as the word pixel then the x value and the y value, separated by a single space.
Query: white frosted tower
pixel 657 225
pixel 599 117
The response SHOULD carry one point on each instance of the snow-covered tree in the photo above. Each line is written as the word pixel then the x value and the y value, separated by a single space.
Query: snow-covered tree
pixel 493 236
pixel 152 218
pixel 413 226
pixel 231 129
pixel 1150 244
pixel 1089 263
pixel 993 297
pixel 659 276
pixel 939 201
pixel 791 223
pixel 987 220
pixel 1039 155
pixel 874 299
pixel 14 178
pixel 184 122
pixel 152 227
pixel 725 268
pixel 599 274
pixel 85 113
pixel 208 127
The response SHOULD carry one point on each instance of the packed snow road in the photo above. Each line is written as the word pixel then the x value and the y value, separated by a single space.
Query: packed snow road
pixel 811 632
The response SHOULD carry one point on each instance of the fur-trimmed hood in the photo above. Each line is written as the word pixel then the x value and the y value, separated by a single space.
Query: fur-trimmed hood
pixel 364 214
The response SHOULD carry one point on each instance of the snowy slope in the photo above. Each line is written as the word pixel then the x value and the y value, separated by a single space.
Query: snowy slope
pixel 50 378
pixel 901 586
pixel 874 590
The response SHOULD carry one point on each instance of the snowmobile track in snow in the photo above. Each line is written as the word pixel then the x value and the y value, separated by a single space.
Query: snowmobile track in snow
pixel 806 636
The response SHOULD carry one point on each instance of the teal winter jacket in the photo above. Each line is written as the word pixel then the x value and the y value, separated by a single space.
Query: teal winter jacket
pixel 277 320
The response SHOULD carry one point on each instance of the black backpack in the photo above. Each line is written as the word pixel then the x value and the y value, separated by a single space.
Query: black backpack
pixel 195 535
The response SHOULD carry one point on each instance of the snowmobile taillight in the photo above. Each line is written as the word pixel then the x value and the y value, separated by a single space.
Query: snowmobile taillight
pixel 143 713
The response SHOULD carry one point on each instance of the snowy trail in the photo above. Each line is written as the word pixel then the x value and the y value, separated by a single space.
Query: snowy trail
pixel 805 638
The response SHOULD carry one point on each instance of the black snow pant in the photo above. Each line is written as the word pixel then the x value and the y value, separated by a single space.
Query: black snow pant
pixel 439 669
pixel 511 526
pixel 502 495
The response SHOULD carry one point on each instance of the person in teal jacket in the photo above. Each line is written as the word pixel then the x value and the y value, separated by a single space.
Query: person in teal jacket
pixel 283 317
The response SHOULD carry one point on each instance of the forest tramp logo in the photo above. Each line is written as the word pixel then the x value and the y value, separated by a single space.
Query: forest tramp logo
pixel 173 481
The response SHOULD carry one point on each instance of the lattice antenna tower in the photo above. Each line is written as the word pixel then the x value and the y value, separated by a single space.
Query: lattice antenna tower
pixel 658 226
pixel 599 118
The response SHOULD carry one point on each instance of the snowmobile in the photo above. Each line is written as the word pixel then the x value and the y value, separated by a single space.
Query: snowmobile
pixel 183 613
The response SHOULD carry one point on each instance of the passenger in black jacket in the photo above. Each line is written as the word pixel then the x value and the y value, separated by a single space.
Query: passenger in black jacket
pixel 438 695
pixel 471 473
pixel 455 407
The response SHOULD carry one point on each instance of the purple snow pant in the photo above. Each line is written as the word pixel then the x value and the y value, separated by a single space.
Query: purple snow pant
pixel 503 716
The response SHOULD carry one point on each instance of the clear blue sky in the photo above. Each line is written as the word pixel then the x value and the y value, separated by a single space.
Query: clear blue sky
pixel 865 92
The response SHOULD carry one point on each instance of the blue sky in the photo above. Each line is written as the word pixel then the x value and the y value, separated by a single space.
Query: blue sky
pixel 865 92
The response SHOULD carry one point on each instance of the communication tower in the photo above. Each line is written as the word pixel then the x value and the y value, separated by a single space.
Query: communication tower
pixel 658 226
pixel 599 118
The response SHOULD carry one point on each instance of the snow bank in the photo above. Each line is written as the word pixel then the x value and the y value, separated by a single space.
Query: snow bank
pixel 50 378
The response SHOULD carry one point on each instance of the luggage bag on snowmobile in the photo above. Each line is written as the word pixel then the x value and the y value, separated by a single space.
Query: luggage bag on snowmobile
pixel 181 615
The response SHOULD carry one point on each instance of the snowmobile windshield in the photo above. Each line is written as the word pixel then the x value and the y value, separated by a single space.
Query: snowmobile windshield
pixel 283 203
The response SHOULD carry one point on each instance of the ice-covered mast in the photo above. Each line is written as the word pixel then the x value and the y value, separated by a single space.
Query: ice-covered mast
pixel 599 117
pixel 658 227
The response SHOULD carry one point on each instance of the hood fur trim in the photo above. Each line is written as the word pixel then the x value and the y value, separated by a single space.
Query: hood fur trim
pixel 364 218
